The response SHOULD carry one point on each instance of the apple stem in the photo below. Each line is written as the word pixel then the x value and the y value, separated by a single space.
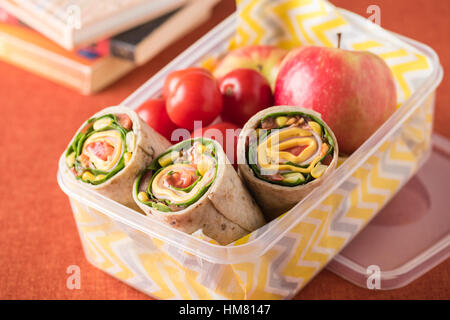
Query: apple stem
pixel 339 35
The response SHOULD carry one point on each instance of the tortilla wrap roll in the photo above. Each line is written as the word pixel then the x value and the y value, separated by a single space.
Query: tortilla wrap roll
pixel 193 186
pixel 283 154
pixel 109 151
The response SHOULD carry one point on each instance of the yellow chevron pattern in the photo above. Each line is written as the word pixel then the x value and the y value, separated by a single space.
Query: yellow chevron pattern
pixel 163 271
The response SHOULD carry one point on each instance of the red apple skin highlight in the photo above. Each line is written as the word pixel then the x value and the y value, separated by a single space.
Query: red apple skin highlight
pixel 354 91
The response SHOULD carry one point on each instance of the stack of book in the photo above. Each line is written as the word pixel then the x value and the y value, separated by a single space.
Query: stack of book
pixel 87 44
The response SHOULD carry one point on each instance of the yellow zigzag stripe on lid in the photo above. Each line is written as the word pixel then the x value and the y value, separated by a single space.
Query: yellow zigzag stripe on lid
pixel 421 63
pixel 241 33
pixel 394 54
pixel 289 39
pixel 366 45
pixel 320 30
pixel 246 14
pixel 251 31
pixel 283 12
pixel 302 18
pixel 429 109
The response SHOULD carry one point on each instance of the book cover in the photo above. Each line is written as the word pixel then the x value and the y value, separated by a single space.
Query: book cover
pixel 75 23
pixel 124 45
pixel 142 43
pixel 29 50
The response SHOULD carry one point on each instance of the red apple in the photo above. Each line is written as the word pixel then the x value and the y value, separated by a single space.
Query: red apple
pixel 354 91
pixel 265 59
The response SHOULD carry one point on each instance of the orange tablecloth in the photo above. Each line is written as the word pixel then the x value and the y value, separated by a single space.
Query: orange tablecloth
pixel 38 237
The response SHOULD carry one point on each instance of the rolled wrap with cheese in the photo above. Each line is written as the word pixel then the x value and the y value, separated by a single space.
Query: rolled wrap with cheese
pixel 192 186
pixel 283 154
pixel 109 151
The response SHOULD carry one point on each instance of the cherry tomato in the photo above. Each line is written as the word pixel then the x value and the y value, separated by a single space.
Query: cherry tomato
pixel 244 92
pixel 173 78
pixel 191 95
pixel 226 134
pixel 154 112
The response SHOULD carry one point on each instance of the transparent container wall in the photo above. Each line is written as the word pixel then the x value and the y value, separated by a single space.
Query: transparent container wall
pixel 279 259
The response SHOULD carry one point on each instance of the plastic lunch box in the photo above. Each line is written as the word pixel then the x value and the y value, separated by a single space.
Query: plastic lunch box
pixel 279 259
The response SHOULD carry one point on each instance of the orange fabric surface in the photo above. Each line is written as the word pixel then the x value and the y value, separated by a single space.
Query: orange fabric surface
pixel 38 236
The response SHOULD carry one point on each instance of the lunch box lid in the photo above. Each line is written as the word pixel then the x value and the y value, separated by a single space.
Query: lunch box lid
pixel 410 236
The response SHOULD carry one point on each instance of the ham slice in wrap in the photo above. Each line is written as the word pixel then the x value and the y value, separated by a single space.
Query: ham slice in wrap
pixel 192 186
pixel 109 151
pixel 283 154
